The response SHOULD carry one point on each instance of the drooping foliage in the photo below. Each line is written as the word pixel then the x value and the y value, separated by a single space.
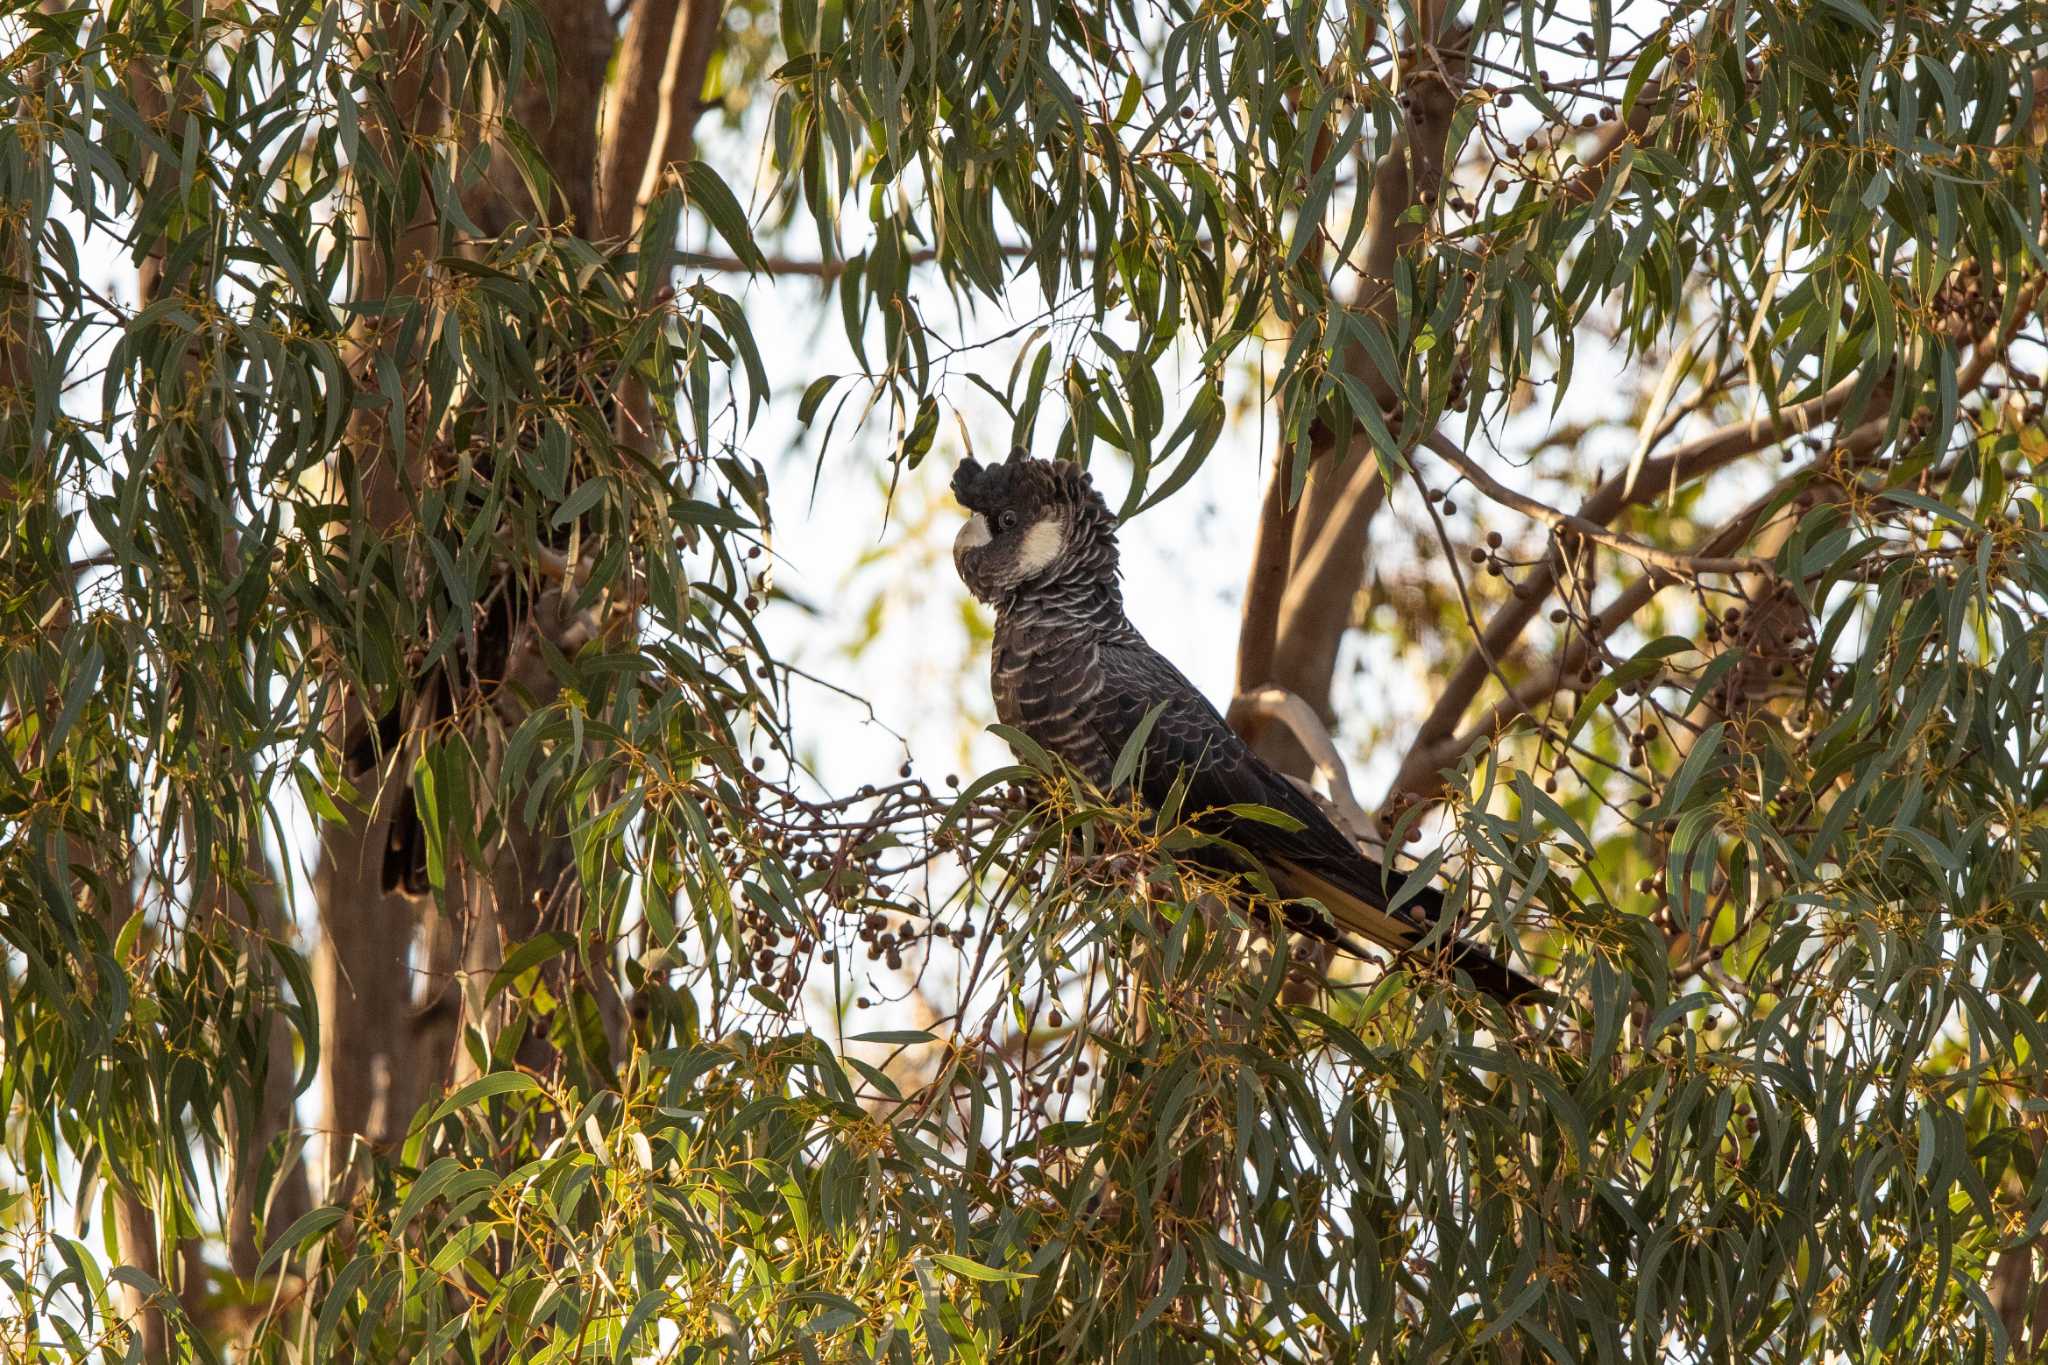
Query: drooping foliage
pixel 420 944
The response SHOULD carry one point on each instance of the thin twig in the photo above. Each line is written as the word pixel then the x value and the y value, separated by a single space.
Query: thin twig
pixel 790 267
pixel 1650 556
pixel 1422 765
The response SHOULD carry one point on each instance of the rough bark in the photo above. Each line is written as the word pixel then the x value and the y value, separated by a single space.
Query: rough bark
pixel 135 1236
pixel 368 1076
pixel 400 979
pixel 527 885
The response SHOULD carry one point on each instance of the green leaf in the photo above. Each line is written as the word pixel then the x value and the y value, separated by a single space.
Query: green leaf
pixel 706 188
pixel 481 1089
pixel 84 679
pixel 527 956
pixel 587 495
pixel 424 1190
pixel 463 1243
pixel 644 1310
pixel 1133 752
pixel 304 1229
pixel 1264 815
pixel 1856 13
pixel 974 1270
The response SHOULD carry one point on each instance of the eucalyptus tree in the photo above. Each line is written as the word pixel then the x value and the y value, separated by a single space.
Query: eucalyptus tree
pixel 1662 384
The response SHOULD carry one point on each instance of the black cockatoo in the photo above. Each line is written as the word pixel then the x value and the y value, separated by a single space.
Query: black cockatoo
pixel 1071 671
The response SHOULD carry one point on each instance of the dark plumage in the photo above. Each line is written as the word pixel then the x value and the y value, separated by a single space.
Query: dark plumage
pixel 1070 671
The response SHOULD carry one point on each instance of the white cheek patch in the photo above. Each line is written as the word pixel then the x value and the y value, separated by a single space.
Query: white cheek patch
pixel 973 535
pixel 1041 546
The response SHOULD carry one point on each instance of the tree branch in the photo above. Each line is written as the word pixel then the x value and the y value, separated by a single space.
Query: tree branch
pixel 1260 618
pixel 1323 565
pixel 1278 704
pixel 1650 556
pixel 1690 461
pixel 1297 608
pixel 778 267
pixel 1438 743
pixel 631 113
pixel 1607 144
pixel 1298 603
pixel 692 39
pixel 1421 765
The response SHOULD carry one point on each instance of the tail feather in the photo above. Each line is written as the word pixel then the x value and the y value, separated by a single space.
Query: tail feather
pixel 1397 933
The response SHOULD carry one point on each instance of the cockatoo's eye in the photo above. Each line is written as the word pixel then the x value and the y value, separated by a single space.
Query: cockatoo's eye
pixel 1008 520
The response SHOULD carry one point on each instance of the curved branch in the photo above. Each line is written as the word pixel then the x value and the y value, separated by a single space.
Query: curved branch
pixel 1278 704
pixel 1419 768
